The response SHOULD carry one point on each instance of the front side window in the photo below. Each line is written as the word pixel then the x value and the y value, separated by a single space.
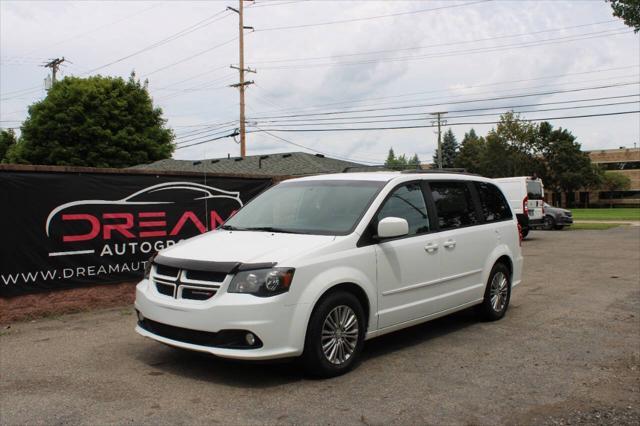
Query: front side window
pixel 331 207
pixel 494 205
pixel 407 202
pixel 454 204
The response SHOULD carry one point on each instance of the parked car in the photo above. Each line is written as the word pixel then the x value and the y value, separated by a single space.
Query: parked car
pixel 526 197
pixel 315 266
pixel 556 218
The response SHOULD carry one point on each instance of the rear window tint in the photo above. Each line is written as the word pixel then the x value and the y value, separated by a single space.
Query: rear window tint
pixel 534 190
pixel 454 204
pixel 494 205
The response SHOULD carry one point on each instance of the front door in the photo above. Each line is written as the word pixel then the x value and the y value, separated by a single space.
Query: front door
pixel 406 266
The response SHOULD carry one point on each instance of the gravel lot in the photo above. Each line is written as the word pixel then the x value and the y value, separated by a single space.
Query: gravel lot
pixel 568 351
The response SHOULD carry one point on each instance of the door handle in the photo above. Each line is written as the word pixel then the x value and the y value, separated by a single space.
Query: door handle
pixel 431 247
pixel 449 244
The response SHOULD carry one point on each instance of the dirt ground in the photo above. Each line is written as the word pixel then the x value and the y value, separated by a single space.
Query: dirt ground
pixel 568 352
pixel 33 306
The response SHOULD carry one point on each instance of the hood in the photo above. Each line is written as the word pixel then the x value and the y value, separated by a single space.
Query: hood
pixel 246 246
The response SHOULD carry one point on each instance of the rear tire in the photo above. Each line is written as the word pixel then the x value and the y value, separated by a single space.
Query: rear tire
pixel 335 335
pixel 525 232
pixel 497 293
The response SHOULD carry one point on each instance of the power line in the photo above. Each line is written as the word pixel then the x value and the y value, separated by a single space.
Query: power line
pixel 209 140
pixel 409 114
pixel 452 124
pixel 214 133
pixel 311 149
pixel 372 52
pixel 268 4
pixel 409 94
pixel 453 103
pixel 188 58
pixel 424 115
pixel 93 30
pixel 211 127
pixel 198 25
pixel 368 18
pixel 487 49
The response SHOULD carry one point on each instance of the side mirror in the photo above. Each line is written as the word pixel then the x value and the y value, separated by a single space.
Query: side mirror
pixel 390 227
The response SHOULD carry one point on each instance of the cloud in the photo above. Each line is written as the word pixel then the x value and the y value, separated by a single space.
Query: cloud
pixel 91 34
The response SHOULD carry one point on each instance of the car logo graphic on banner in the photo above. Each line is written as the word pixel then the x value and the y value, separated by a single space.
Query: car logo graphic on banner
pixel 116 227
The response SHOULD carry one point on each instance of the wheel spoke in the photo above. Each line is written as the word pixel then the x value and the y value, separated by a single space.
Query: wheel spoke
pixel 339 334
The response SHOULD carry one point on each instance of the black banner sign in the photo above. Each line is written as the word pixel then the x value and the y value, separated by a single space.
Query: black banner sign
pixel 61 230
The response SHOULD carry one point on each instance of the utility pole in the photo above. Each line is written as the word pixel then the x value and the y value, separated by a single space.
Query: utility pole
pixel 440 123
pixel 241 70
pixel 54 64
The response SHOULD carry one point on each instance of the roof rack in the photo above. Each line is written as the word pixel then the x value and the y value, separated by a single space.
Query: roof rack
pixel 450 171
pixel 356 169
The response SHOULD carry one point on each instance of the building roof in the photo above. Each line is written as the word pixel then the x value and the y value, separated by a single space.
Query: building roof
pixel 282 164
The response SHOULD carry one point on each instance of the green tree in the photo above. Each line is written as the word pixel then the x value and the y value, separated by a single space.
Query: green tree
pixel 414 162
pixel 470 153
pixel 613 181
pixel 401 162
pixel 97 122
pixel 511 149
pixel 7 141
pixel 449 150
pixel 628 11
pixel 568 168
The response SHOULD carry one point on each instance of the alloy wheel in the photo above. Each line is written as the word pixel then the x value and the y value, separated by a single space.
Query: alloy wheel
pixel 499 291
pixel 340 335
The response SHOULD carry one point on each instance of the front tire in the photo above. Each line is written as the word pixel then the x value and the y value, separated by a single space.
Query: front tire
pixel 335 335
pixel 549 223
pixel 497 293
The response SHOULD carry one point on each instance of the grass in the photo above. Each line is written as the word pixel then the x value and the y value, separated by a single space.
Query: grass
pixel 592 226
pixel 626 213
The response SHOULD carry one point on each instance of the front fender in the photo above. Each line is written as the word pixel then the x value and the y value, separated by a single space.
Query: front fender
pixel 325 280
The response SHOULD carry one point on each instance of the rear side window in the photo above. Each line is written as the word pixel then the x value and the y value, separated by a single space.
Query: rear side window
pixel 407 202
pixel 454 204
pixel 534 190
pixel 494 205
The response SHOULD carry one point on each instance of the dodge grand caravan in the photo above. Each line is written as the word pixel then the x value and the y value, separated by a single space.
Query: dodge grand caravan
pixel 315 266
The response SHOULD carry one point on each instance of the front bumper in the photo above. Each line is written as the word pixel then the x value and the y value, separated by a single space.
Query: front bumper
pixel 565 220
pixel 280 327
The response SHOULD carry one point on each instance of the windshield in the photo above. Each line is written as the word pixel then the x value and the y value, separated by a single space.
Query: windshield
pixel 331 207
pixel 534 190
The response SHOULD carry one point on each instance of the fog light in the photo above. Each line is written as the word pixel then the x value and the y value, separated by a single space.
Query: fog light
pixel 250 338
pixel 140 316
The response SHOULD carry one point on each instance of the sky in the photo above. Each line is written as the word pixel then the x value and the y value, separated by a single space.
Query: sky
pixel 331 65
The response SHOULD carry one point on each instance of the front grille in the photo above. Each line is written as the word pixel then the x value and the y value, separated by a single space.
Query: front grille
pixel 186 284
pixel 195 293
pixel 167 271
pixel 217 277
pixel 166 289
pixel 233 339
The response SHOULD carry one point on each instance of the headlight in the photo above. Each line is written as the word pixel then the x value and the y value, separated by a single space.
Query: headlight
pixel 262 282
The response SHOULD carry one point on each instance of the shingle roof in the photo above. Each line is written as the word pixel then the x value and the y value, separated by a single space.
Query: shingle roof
pixel 283 164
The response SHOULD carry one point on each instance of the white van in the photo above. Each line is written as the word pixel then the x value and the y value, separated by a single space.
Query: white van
pixel 315 266
pixel 526 197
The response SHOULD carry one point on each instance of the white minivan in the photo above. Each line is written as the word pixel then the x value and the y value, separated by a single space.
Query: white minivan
pixel 315 266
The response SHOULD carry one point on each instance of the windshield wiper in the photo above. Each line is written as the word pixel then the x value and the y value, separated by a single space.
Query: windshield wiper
pixel 231 228
pixel 270 229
